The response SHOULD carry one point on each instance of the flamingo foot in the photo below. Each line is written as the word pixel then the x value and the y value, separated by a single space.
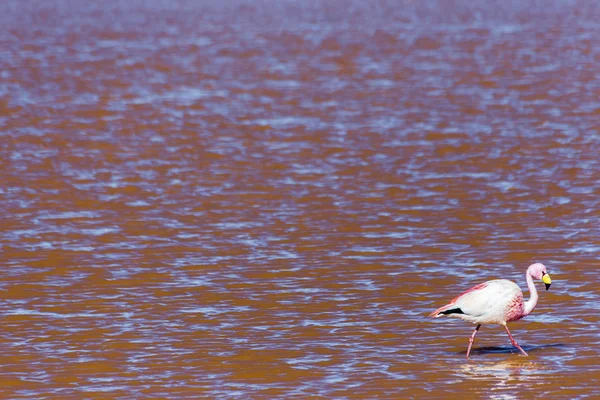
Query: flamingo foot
pixel 472 339
pixel 514 342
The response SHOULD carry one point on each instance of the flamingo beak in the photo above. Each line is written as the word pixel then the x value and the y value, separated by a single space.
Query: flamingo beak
pixel 546 279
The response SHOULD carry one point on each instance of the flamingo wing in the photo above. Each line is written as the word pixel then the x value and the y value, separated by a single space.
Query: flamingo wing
pixel 480 300
pixel 484 303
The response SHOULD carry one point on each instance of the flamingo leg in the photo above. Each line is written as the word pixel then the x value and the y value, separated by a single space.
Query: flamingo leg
pixel 514 342
pixel 471 339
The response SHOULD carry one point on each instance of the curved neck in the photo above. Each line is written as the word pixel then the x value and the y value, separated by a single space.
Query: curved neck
pixel 533 295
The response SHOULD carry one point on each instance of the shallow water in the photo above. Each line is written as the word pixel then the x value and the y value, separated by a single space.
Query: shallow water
pixel 265 199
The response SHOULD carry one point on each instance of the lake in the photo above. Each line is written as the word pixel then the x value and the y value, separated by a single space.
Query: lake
pixel 266 199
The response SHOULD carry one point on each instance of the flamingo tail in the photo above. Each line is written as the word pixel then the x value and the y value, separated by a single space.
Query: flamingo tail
pixel 451 308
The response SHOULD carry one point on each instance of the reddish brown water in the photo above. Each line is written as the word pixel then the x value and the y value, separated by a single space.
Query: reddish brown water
pixel 234 199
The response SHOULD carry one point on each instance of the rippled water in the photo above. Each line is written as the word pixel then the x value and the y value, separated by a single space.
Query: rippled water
pixel 243 199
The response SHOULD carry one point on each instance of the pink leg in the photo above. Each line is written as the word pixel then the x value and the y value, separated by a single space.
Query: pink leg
pixel 514 342
pixel 471 339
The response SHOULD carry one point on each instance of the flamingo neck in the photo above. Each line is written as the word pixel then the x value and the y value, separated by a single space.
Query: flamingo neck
pixel 533 295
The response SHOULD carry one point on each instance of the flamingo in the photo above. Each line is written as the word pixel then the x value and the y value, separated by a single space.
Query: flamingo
pixel 496 302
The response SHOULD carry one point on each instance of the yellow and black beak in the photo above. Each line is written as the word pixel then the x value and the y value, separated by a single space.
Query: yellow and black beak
pixel 546 279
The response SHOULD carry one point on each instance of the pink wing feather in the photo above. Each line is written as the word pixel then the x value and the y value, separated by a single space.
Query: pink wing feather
pixel 448 306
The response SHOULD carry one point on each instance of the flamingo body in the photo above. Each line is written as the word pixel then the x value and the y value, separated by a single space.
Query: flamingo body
pixel 493 302
pixel 496 302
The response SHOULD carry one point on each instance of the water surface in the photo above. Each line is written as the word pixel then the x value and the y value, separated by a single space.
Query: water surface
pixel 265 199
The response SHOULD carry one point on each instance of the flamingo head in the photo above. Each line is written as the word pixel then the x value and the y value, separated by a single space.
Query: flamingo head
pixel 538 271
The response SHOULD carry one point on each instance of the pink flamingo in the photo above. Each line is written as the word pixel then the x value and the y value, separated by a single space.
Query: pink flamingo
pixel 496 302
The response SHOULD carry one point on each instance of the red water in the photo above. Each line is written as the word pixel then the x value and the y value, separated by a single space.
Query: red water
pixel 265 199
